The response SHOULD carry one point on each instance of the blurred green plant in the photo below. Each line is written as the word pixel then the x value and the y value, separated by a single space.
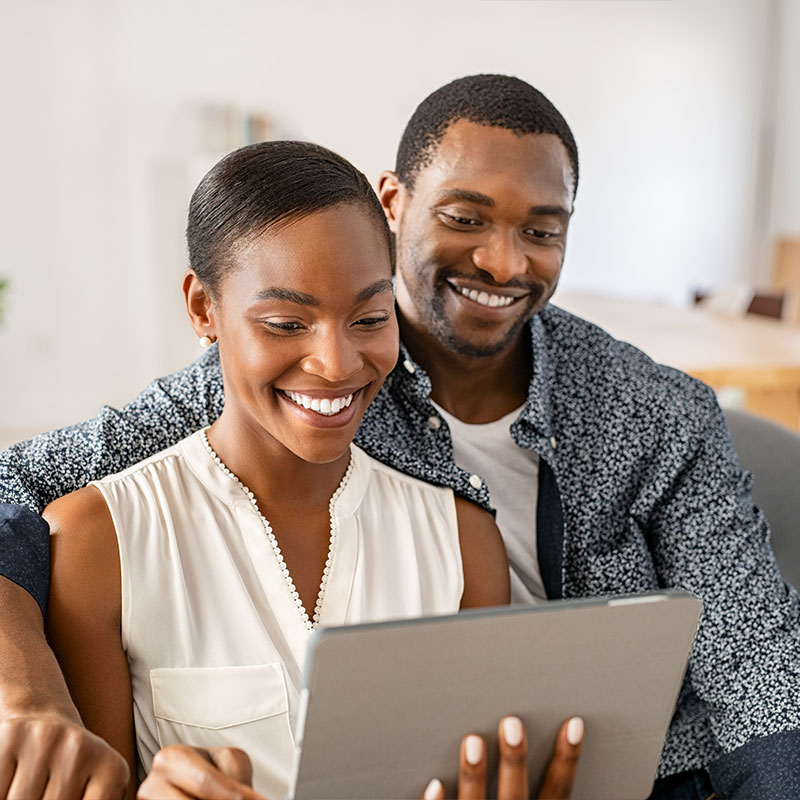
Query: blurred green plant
pixel 3 287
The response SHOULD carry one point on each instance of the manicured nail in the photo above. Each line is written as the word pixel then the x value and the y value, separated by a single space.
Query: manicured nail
pixel 473 749
pixel 512 731
pixel 433 790
pixel 575 731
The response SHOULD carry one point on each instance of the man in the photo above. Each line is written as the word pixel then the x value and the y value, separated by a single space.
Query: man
pixel 610 474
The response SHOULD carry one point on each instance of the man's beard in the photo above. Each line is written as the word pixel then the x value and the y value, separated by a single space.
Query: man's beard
pixel 440 327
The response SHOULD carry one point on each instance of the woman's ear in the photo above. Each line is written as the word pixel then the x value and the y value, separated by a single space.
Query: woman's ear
pixel 391 195
pixel 200 307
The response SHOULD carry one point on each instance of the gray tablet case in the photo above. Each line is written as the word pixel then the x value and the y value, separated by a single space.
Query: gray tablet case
pixel 385 705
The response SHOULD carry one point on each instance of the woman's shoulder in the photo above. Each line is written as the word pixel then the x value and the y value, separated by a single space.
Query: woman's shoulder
pixel 81 510
pixel 381 473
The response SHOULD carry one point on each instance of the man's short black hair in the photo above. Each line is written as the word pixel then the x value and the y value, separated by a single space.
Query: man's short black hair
pixel 499 101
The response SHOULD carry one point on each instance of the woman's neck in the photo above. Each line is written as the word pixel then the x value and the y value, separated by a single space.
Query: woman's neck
pixel 276 476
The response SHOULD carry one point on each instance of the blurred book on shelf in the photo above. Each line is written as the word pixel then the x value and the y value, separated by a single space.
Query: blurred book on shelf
pixel 221 127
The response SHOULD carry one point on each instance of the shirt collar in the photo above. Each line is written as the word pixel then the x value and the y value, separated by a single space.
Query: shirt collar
pixel 538 410
pixel 413 379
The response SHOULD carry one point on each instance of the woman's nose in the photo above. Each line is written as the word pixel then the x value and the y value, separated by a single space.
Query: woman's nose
pixel 334 358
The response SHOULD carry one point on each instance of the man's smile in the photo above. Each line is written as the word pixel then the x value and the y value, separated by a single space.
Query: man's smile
pixel 489 297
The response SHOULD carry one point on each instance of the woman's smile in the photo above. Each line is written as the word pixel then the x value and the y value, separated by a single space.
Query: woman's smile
pixel 324 408
pixel 327 406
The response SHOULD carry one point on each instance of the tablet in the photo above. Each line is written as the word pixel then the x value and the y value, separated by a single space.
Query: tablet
pixel 385 705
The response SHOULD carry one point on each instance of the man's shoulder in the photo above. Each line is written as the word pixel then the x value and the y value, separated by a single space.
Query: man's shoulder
pixel 401 481
pixel 591 368
pixel 198 383
pixel 151 466
pixel 575 342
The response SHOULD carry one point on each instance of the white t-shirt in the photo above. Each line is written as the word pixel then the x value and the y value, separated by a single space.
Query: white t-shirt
pixel 512 475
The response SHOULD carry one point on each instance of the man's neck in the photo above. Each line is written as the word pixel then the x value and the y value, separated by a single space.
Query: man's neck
pixel 474 389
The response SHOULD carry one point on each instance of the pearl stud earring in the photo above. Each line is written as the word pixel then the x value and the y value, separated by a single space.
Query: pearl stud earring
pixel 206 341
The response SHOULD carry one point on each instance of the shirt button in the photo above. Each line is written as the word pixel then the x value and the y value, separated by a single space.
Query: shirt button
pixel 553 442
pixel 434 423
pixel 410 368
pixel 475 481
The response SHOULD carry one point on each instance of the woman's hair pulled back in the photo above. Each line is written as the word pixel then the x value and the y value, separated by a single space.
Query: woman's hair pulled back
pixel 264 186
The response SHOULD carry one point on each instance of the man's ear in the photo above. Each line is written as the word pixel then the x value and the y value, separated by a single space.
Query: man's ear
pixel 390 193
pixel 199 306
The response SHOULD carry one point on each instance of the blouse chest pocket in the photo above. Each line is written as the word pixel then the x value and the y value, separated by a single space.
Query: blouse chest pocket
pixel 245 707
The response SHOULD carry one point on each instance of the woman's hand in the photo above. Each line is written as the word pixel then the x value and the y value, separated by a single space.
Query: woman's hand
pixel 512 772
pixel 180 772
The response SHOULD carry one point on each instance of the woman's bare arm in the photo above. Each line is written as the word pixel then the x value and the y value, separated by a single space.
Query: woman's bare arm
pixel 486 581
pixel 83 618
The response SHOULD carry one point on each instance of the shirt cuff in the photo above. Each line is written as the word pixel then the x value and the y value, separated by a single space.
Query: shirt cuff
pixel 25 551
pixel 765 767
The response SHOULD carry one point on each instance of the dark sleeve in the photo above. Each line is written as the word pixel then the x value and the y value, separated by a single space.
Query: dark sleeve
pixel 745 665
pixel 765 767
pixel 25 550
pixel 36 472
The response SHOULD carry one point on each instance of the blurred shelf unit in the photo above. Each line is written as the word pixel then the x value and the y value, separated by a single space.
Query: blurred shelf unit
pixel 786 277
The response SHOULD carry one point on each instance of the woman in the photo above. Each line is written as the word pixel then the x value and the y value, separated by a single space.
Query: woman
pixel 184 589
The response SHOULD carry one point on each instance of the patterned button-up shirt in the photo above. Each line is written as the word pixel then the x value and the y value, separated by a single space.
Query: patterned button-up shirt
pixel 639 488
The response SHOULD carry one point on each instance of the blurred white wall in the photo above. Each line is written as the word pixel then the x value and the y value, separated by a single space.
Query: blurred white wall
pixel 784 219
pixel 685 158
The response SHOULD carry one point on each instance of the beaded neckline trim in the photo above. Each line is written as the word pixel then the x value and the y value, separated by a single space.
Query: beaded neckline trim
pixel 310 622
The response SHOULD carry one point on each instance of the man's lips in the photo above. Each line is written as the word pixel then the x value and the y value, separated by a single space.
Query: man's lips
pixel 488 296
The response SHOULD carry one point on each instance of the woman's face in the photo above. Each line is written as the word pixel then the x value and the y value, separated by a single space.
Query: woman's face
pixel 307 330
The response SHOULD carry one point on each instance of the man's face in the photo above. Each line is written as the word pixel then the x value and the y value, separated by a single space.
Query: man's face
pixel 480 240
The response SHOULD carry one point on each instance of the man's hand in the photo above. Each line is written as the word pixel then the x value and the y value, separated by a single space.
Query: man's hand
pixel 45 752
pixel 54 758
pixel 512 772
pixel 180 772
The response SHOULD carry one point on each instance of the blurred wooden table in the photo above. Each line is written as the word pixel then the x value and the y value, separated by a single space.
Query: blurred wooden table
pixel 754 361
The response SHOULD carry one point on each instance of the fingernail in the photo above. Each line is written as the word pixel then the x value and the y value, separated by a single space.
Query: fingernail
pixel 433 790
pixel 512 731
pixel 473 749
pixel 575 731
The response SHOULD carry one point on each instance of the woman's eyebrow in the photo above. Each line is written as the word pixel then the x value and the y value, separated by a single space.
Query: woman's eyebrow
pixel 303 299
pixel 375 288
pixel 291 295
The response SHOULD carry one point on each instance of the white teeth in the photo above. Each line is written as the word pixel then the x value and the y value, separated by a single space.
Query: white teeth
pixel 327 407
pixel 486 299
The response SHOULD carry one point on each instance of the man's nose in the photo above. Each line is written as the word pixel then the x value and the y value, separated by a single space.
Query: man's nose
pixel 335 357
pixel 502 255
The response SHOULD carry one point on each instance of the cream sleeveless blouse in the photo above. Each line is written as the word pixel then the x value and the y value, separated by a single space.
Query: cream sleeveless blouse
pixel 215 642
